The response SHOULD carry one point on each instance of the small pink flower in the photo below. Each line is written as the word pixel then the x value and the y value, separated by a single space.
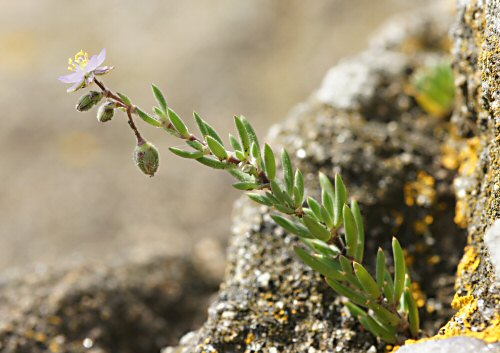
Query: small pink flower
pixel 85 70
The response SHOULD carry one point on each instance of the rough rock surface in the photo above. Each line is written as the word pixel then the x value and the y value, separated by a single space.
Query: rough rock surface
pixel 492 240
pixel 364 124
pixel 136 306
pixel 476 55
pixel 459 344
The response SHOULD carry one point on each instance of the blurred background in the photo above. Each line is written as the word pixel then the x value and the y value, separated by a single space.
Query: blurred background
pixel 69 187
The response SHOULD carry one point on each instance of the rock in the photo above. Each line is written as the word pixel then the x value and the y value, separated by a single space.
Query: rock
pixel 136 305
pixel 476 56
pixel 454 344
pixel 363 123
pixel 492 241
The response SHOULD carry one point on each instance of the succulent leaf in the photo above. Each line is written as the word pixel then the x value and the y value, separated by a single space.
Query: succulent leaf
pixel 269 162
pixel 160 98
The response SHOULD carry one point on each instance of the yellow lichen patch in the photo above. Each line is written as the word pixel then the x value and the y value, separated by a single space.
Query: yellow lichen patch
pixel 461 154
pixel 422 191
pixel 461 323
pixel 469 156
pixel 470 261
pixel 460 302
pixel 461 212
pixel 449 156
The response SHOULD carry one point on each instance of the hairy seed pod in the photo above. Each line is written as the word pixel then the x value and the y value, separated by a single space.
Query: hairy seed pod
pixel 146 157
pixel 106 111
pixel 88 100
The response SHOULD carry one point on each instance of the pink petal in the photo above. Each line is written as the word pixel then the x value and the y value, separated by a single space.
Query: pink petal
pixel 92 64
pixel 103 70
pixel 71 78
pixel 101 57
pixel 76 86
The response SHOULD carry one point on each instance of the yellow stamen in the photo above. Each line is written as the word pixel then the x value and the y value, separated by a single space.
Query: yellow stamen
pixel 80 61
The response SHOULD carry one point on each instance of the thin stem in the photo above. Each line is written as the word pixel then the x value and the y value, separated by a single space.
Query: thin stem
pixel 131 123
pixel 129 108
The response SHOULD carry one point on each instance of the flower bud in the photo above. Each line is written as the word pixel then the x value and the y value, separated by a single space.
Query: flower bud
pixel 88 100
pixel 106 111
pixel 146 157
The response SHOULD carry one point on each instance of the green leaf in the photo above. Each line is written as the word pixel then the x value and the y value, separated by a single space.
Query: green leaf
pixel 326 185
pixel 197 145
pixel 245 186
pixel 161 114
pixel 214 163
pixel 277 191
pixel 291 226
pixel 399 269
pixel 284 209
pixel 326 268
pixel 327 201
pixel 178 123
pixel 201 124
pixel 355 297
pixel 217 149
pixel 241 176
pixel 273 198
pixel 377 330
pixel 244 138
pixel 308 212
pixel 346 265
pixel 351 232
pixel 413 316
pixel 256 154
pixel 235 143
pixel 340 199
pixel 206 129
pixel 315 207
pixel 316 229
pixel 371 325
pixel 322 247
pixel 147 118
pixel 355 310
pixel 252 136
pixel 269 162
pixel 366 281
pixel 327 217
pixel 280 193
pixel 389 288
pixel 404 304
pixel 384 316
pixel 186 154
pixel 124 98
pixel 240 155
pixel 263 200
pixel 358 219
pixel 298 189
pixel 287 171
pixel 381 268
pixel 160 98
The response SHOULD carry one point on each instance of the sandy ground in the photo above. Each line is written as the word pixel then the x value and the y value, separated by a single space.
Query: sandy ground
pixel 69 187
